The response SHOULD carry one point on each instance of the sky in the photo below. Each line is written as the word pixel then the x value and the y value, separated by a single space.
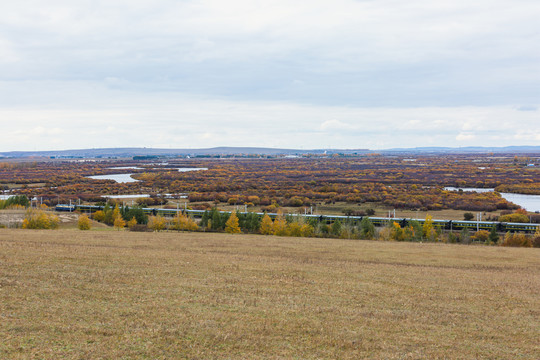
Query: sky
pixel 300 74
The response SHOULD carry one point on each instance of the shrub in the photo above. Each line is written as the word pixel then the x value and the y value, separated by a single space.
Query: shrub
pixel 157 223
pixel 468 216
pixel 481 235
pixel 517 240
pixel 536 241
pixel 84 222
pixel 139 228
pixel 39 219
pixel 99 216
pixel 514 218
pixel 184 223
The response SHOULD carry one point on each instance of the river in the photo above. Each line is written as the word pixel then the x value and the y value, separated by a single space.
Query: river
pixel 528 202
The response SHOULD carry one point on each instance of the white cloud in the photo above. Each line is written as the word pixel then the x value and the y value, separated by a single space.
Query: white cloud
pixel 102 117
pixel 465 136
pixel 275 73
pixel 335 125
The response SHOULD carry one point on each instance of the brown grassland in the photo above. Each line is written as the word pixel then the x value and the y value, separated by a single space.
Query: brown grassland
pixel 115 294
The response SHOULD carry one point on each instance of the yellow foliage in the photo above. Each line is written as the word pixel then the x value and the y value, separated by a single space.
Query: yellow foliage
pixel 307 230
pixel 39 219
pixel 294 229
pixel 184 223
pixel 157 223
pixel 119 222
pixel 429 231
pixel 84 222
pixel 280 226
pixel 131 223
pixel 99 215
pixel 267 227
pixel 232 226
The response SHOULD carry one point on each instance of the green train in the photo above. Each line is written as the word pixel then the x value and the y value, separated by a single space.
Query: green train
pixel 377 221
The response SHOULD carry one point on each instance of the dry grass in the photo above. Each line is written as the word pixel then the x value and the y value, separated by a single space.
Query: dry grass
pixel 106 294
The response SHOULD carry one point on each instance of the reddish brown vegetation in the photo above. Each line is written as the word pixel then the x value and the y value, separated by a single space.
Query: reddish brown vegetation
pixel 390 181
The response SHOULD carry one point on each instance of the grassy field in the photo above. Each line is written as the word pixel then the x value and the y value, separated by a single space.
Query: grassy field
pixel 114 294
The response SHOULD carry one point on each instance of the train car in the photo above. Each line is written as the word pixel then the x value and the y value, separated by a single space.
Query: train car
pixel 529 228
pixel 328 219
pixel 65 207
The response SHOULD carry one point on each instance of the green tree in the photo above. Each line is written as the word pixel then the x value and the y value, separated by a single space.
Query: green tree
pixel 336 228
pixel 493 235
pixel 367 229
pixel 468 216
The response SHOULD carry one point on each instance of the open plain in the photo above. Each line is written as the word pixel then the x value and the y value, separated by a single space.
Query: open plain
pixel 114 294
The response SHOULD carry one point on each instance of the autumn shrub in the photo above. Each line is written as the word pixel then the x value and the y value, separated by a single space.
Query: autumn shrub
pixel 183 223
pixel 157 223
pixel 295 229
pixel 139 228
pixel 131 223
pixel 517 240
pixel 84 222
pixel 99 216
pixel 514 218
pixel 39 219
pixel 536 241
pixel 280 227
pixel 481 235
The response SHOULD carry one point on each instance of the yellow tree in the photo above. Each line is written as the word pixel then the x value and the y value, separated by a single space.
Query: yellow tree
pixel 232 226
pixel 157 223
pixel 99 215
pixel 266 225
pixel 131 223
pixel 427 228
pixel 280 225
pixel 84 222
pixel 184 222
pixel 119 223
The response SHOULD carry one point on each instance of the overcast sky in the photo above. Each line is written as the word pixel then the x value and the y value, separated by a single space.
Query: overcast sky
pixel 295 74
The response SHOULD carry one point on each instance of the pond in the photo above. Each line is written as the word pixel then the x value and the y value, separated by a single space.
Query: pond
pixel 478 190
pixel 126 167
pixel 119 178
pixel 134 196
pixel 191 169
pixel 528 202
pixel 126 178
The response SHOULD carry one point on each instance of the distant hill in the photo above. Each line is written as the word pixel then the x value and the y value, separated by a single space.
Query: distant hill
pixel 130 152
pixel 246 151
pixel 468 149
